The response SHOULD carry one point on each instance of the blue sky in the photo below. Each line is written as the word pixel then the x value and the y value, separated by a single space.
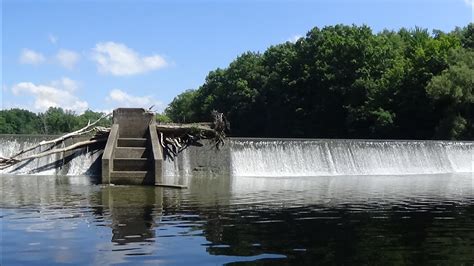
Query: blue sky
pixel 104 54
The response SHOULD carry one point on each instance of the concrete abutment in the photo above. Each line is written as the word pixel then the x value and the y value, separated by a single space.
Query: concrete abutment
pixel 133 155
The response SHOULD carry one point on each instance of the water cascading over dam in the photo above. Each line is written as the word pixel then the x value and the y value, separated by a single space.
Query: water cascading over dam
pixel 266 157
pixel 83 161
pixel 276 158
pixel 320 157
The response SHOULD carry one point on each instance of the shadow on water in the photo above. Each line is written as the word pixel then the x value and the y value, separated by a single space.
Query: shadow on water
pixel 132 212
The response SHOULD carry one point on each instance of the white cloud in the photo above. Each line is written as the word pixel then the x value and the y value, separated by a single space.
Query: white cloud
pixel 67 58
pixel 120 98
pixel 105 111
pixel 52 38
pixel 119 60
pixel 66 84
pixel 57 94
pixel 469 3
pixel 31 57
pixel 294 38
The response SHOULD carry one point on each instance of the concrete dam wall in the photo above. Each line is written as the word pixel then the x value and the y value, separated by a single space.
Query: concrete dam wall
pixel 326 157
pixel 84 161
pixel 270 157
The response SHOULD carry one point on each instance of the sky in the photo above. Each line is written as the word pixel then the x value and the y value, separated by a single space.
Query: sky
pixel 101 55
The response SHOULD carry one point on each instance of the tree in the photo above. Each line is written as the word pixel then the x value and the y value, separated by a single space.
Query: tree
pixel 18 121
pixel 342 82
pixel 453 89
pixel 162 118
pixel 234 91
pixel 181 108
pixel 56 120
pixel 90 116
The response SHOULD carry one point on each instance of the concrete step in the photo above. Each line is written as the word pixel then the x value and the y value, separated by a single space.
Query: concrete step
pixel 131 142
pixel 133 174
pixel 131 152
pixel 131 178
pixel 131 164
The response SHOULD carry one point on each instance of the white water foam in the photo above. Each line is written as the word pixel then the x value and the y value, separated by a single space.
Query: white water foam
pixel 349 157
pixel 81 162
pixel 277 158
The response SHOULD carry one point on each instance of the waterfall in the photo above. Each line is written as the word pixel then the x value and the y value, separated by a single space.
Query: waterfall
pixel 260 157
pixel 75 163
pixel 271 157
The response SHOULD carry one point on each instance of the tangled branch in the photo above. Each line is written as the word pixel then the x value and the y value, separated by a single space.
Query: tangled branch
pixel 100 135
pixel 174 138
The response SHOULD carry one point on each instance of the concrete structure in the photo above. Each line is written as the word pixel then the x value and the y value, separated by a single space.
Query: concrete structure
pixel 81 161
pixel 131 212
pixel 132 155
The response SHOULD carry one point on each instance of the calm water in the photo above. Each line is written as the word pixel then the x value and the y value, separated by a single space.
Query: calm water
pixel 391 220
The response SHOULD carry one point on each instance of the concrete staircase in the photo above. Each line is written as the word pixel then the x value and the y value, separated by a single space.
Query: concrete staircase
pixel 132 155
pixel 131 160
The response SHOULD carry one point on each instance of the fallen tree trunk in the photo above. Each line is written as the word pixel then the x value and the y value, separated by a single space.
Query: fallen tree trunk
pixel 85 130
pixel 174 138
pixel 11 161
pixel 100 133
pixel 185 128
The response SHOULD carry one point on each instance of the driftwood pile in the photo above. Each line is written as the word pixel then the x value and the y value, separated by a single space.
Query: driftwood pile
pixel 174 138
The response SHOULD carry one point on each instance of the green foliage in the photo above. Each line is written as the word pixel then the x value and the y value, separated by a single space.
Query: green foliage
pixel 455 83
pixel 337 82
pixel 54 121
pixel 452 126
pixel 344 82
pixel 467 36
pixel 18 121
pixel 91 116
pixel 163 118
pixel 454 89
pixel 181 109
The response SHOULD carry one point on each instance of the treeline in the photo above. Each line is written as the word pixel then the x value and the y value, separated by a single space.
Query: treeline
pixel 345 82
pixel 53 121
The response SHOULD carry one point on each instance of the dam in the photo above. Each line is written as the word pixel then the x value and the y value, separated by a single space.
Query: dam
pixel 289 201
pixel 270 157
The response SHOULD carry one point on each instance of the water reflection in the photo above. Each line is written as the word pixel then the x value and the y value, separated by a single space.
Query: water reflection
pixel 325 220
pixel 345 220
pixel 132 212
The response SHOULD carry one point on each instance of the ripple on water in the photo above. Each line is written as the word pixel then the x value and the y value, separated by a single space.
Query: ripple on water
pixel 375 220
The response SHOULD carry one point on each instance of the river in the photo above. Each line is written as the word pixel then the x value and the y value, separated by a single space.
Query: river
pixel 219 219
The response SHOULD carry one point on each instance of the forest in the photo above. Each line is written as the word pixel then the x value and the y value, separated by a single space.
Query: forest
pixel 54 121
pixel 336 82
pixel 345 82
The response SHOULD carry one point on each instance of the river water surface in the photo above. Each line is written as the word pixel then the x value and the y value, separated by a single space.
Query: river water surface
pixel 390 220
